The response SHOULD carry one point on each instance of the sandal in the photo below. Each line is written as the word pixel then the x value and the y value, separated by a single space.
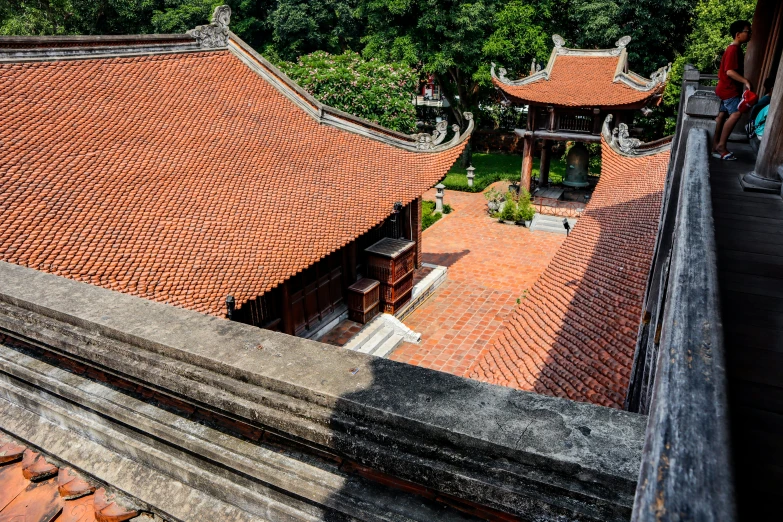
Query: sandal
pixel 725 156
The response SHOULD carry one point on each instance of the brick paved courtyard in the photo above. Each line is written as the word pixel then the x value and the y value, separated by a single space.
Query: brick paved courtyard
pixel 489 265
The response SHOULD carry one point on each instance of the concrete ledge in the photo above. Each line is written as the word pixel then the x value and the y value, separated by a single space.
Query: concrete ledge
pixel 520 453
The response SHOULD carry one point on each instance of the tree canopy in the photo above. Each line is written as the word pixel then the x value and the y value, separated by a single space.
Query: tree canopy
pixel 373 89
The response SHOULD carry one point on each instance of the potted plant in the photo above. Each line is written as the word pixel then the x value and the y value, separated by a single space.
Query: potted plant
pixel 509 212
pixel 494 200
pixel 525 210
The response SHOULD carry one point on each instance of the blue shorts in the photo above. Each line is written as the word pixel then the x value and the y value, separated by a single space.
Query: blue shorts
pixel 731 105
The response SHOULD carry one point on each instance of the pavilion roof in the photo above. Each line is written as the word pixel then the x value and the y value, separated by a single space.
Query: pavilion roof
pixel 585 78
pixel 574 335
pixel 184 168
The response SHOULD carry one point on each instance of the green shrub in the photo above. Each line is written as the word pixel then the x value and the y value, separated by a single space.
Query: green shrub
pixel 428 214
pixel 525 211
pixel 427 220
pixel 447 208
pixel 509 211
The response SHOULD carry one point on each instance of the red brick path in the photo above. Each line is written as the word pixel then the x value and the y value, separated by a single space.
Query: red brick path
pixel 489 266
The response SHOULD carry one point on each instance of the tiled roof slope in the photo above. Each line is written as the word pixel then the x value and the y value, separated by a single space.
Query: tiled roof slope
pixel 579 81
pixel 574 334
pixel 33 489
pixel 184 177
pixel 585 78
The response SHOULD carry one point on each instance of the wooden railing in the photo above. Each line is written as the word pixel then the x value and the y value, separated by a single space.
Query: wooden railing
pixel 679 376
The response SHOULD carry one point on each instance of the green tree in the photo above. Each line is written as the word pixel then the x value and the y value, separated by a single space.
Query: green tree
pixel 302 26
pixel 371 89
pixel 456 40
pixel 657 27
pixel 706 43
pixel 34 17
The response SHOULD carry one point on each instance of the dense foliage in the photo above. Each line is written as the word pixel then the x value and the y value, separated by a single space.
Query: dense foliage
pixel 372 89
pixel 709 39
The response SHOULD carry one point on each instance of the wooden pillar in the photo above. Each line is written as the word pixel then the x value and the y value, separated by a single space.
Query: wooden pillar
pixel 761 48
pixel 527 149
pixel 552 120
pixel 288 318
pixel 546 158
pixel 597 121
pixel 527 162
pixel 415 213
pixel 770 157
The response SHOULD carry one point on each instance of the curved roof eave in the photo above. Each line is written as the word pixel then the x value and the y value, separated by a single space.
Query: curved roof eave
pixel 324 114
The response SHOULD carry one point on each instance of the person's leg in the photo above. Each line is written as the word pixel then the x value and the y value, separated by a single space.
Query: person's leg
pixel 730 108
pixel 719 121
pixel 726 131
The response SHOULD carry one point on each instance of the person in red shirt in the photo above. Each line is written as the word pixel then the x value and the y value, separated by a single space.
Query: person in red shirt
pixel 731 83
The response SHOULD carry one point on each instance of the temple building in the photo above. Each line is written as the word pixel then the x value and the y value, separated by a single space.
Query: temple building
pixel 147 178
pixel 569 100
pixel 189 170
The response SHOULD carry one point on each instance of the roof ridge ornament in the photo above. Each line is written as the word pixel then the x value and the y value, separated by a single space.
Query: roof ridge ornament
pixel 620 45
pixel 660 76
pixel 214 35
pixel 619 139
pixel 427 141
pixel 558 41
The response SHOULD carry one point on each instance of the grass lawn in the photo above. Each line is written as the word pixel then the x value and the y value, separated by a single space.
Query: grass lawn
pixel 492 167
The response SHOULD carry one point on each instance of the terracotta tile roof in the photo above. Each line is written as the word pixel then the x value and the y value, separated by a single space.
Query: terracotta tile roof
pixel 574 335
pixel 582 81
pixel 31 488
pixel 184 177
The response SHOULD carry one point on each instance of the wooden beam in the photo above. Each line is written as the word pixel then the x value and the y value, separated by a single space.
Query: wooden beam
pixel 559 136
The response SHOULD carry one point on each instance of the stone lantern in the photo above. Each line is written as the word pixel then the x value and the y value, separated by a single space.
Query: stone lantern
pixel 471 175
pixel 439 197
pixel 576 166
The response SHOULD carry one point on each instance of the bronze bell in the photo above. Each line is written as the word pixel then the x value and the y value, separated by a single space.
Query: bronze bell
pixel 576 166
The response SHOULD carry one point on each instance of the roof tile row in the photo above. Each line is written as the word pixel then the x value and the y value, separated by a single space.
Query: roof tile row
pixel 184 178
pixel 31 488
pixel 574 335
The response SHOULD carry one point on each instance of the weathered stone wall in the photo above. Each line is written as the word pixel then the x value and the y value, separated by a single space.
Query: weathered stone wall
pixel 481 448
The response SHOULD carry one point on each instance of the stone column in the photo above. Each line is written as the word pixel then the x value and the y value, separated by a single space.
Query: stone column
pixel 769 162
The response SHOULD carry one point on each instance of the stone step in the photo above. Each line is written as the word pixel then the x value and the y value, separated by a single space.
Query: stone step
pixel 380 335
pixel 554 224
pixel 393 341
pixel 365 333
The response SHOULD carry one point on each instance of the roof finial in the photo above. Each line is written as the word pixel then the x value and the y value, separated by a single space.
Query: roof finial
pixel 623 42
pixel 215 34
pixel 533 66
pixel 559 42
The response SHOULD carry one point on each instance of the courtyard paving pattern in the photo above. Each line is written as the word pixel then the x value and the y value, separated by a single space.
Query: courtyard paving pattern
pixel 490 265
